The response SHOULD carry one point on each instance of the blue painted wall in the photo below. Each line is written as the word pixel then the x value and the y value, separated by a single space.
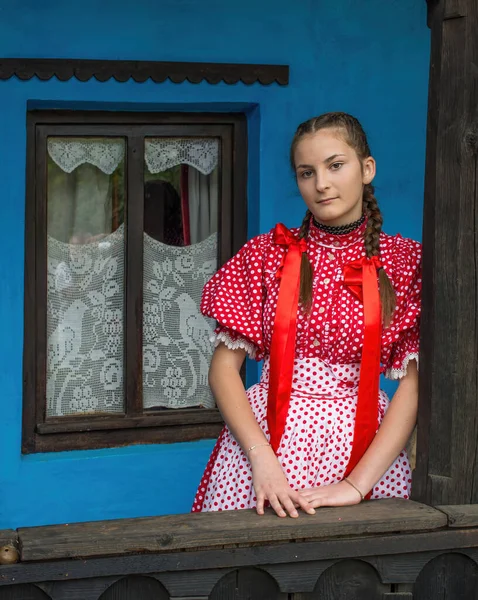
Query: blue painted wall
pixel 368 58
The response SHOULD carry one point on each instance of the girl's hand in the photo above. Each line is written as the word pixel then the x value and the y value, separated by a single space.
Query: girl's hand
pixel 271 484
pixel 336 494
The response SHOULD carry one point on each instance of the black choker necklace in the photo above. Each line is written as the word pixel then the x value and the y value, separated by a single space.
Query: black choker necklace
pixel 340 229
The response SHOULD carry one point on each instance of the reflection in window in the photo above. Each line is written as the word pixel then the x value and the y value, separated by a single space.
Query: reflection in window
pixel 180 254
pixel 85 270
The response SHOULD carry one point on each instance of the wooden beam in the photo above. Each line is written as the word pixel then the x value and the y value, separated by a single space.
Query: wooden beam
pixel 8 537
pixel 222 529
pixel 447 468
pixel 397 557
pixel 461 515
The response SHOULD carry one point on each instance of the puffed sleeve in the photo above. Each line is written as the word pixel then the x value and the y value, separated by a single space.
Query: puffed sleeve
pixel 234 297
pixel 400 341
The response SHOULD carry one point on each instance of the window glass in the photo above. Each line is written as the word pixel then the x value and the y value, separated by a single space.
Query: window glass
pixel 181 207
pixel 85 275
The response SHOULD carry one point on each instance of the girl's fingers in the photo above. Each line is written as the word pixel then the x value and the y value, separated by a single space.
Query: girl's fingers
pixel 329 501
pixel 307 497
pixel 289 506
pixel 306 505
pixel 260 504
pixel 305 493
pixel 317 503
pixel 285 504
pixel 277 506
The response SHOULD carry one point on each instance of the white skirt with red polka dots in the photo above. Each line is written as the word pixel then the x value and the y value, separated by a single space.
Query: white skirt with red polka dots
pixel 315 447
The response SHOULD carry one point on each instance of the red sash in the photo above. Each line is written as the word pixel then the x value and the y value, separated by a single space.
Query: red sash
pixel 361 278
pixel 284 333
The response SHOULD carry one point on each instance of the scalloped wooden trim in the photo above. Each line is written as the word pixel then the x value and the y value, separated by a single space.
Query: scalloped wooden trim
pixel 140 71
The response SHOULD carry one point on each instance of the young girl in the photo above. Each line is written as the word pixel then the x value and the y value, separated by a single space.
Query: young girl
pixel 327 306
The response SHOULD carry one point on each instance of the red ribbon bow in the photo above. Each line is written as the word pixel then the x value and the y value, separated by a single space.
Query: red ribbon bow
pixel 361 278
pixel 284 333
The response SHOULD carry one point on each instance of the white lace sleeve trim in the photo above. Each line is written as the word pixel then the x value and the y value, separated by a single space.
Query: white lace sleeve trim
pixel 240 342
pixel 399 373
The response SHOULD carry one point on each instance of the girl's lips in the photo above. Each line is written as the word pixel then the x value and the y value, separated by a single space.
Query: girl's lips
pixel 326 201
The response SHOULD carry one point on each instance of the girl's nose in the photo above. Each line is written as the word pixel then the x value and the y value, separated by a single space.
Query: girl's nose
pixel 322 183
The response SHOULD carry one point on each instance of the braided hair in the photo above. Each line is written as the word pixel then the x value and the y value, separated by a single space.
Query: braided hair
pixel 354 135
pixel 306 272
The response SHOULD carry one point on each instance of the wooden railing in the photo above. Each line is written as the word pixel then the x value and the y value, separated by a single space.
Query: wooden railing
pixel 385 549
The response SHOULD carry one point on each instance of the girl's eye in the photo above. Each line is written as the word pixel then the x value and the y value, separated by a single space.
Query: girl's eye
pixel 306 174
pixel 336 166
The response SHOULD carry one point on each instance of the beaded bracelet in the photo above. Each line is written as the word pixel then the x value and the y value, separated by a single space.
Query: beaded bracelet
pixel 255 446
pixel 355 487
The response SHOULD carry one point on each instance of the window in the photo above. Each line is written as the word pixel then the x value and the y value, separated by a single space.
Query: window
pixel 128 215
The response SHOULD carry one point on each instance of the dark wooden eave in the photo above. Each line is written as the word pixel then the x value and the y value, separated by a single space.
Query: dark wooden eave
pixel 140 71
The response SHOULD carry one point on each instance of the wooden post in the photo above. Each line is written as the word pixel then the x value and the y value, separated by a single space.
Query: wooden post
pixel 447 470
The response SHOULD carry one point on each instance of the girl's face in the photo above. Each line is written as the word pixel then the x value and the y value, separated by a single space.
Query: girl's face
pixel 331 177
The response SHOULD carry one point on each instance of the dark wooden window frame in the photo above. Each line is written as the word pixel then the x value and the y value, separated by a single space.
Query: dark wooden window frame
pixel 41 434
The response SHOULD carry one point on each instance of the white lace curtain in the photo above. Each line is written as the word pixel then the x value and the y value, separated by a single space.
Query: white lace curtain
pixel 85 325
pixel 176 337
pixel 163 153
pixel 69 153
pixel 160 153
pixel 85 338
